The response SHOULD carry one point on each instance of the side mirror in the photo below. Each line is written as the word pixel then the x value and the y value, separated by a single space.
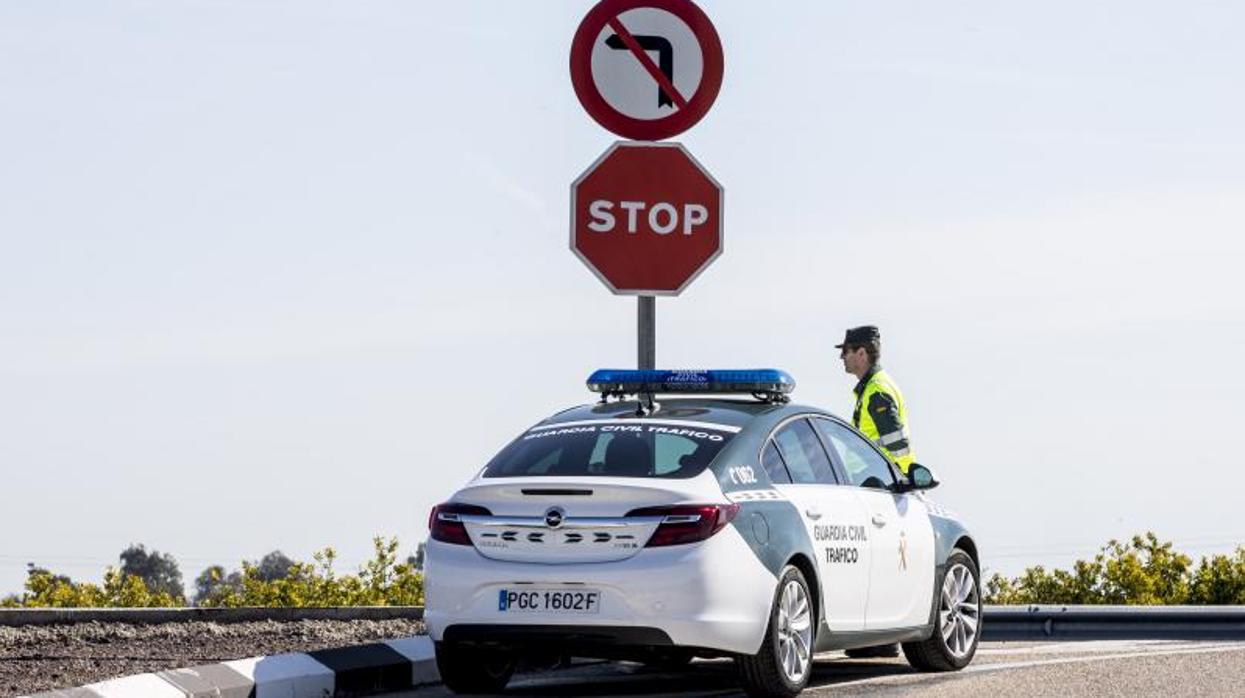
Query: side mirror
pixel 921 477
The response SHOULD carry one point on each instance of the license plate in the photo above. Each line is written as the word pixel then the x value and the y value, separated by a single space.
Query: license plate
pixel 549 601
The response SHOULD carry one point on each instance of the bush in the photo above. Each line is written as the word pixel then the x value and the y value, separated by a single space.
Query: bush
pixel 1219 580
pixel 381 581
pixel 119 590
pixel 1143 571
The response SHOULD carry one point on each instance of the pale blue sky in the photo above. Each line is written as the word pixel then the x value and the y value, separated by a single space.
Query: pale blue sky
pixel 285 274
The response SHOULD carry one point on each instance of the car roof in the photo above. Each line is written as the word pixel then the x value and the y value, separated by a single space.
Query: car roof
pixel 736 413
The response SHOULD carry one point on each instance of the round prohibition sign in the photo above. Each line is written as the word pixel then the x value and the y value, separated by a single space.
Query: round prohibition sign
pixel 646 69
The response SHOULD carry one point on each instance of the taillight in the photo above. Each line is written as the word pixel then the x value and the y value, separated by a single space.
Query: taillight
pixel 687 523
pixel 445 522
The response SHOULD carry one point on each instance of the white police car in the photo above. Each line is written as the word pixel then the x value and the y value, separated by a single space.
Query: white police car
pixel 727 524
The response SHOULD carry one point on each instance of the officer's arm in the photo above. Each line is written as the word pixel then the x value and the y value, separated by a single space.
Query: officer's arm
pixel 892 433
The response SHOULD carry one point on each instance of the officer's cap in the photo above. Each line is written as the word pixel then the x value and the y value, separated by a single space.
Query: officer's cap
pixel 861 336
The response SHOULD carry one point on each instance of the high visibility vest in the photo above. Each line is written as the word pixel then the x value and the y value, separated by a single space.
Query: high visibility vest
pixel 882 415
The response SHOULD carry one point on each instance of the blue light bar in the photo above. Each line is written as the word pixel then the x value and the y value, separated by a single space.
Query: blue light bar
pixel 766 381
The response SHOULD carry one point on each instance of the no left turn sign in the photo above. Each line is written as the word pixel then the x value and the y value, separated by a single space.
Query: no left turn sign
pixel 646 69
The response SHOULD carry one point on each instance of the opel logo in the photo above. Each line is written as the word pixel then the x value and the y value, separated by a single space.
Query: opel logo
pixel 554 517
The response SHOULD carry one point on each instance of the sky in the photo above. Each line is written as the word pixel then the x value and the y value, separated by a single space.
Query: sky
pixel 283 275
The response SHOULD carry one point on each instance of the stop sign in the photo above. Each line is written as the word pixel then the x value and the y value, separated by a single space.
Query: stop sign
pixel 646 218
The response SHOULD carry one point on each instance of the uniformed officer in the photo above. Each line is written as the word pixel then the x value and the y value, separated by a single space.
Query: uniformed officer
pixel 880 412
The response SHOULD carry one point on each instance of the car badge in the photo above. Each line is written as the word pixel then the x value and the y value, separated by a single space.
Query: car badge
pixel 554 517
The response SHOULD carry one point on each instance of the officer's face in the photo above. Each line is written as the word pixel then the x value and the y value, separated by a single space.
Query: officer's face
pixel 855 360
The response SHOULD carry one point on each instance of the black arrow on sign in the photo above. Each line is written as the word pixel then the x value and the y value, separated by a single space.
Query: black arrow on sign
pixel 665 58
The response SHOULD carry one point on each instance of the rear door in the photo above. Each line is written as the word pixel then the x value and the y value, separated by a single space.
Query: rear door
pixel 834 516
pixel 901 583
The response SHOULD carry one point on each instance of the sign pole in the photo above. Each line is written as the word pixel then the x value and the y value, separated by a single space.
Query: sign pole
pixel 646 331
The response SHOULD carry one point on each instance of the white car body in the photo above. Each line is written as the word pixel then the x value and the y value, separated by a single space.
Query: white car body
pixel 873 557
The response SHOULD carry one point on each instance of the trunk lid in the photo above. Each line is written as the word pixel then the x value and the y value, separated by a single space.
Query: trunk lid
pixel 555 520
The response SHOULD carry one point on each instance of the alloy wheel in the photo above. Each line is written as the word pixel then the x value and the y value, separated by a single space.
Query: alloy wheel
pixel 795 632
pixel 959 613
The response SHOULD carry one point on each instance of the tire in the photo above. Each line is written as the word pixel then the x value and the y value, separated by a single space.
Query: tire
pixel 469 669
pixel 781 668
pixel 957 623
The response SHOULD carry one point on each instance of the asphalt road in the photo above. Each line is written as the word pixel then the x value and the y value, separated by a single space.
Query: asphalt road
pixel 1132 669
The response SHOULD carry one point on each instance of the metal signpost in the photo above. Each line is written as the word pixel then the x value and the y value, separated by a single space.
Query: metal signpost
pixel 646 218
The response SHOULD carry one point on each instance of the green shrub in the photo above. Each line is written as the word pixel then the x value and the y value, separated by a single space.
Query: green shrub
pixel 1219 580
pixel 1143 571
pixel 119 590
pixel 381 581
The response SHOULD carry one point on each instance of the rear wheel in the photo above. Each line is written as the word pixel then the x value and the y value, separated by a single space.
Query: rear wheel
pixel 782 666
pixel 957 625
pixel 470 669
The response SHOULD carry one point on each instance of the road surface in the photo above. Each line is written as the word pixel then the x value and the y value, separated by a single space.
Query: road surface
pixel 1132 669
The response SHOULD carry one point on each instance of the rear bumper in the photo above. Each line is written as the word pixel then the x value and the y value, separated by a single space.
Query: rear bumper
pixel 544 641
pixel 551 635
pixel 714 595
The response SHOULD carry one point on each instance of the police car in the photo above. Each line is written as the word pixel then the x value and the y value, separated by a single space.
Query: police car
pixel 722 521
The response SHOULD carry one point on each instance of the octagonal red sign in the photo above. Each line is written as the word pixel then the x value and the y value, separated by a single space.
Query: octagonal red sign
pixel 646 218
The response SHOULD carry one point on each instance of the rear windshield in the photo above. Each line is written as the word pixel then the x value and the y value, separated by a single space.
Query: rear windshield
pixel 634 448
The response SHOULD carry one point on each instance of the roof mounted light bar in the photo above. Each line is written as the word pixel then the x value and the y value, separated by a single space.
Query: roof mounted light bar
pixel 766 384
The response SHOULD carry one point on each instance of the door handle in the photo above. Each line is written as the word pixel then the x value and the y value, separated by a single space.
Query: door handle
pixel 879 520
pixel 813 514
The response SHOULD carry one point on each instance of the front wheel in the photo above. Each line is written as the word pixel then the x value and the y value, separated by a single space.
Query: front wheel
pixel 782 666
pixel 469 669
pixel 957 625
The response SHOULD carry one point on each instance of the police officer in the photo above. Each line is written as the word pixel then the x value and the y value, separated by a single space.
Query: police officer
pixel 880 412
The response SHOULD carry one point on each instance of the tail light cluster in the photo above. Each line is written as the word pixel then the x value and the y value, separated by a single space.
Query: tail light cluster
pixel 683 523
pixel 687 523
pixel 445 524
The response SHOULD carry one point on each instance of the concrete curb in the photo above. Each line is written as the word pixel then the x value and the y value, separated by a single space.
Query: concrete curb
pixel 17 617
pixel 392 665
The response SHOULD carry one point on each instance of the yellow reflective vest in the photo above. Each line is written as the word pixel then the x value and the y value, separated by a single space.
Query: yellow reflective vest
pixel 882 415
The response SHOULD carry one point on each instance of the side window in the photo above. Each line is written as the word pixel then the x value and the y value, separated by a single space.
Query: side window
pixel 865 467
pixel 771 460
pixel 805 458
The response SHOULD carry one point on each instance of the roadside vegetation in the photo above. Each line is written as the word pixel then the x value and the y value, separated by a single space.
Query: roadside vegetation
pixel 1140 571
pixel 151 579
